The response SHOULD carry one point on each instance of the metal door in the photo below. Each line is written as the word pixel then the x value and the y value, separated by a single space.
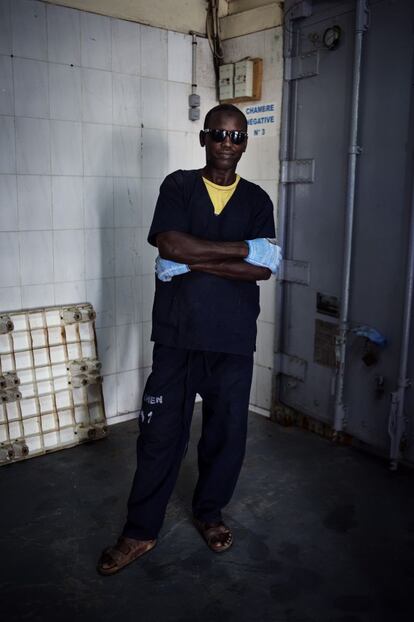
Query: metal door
pixel 319 73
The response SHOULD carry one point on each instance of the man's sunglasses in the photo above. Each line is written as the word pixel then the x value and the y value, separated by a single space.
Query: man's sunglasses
pixel 236 136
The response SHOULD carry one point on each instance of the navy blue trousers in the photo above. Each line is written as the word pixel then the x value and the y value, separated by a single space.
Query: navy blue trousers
pixel 223 381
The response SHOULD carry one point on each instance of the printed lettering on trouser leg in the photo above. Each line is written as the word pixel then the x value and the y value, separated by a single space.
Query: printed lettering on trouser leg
pixel 161 442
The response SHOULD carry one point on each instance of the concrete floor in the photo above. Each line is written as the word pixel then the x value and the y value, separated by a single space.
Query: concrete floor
pixel 322 534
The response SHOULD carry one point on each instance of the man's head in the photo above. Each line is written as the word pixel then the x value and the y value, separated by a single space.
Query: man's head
pixel 224 148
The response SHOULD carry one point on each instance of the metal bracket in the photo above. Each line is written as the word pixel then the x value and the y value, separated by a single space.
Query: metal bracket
pixel 294 271
pixel 303 8
pixel 363 18
pixel 290 366
pixel 303 66
pixel 297 171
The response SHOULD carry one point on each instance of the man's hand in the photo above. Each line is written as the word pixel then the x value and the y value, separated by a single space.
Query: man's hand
pixel 165 269
pixel 264 253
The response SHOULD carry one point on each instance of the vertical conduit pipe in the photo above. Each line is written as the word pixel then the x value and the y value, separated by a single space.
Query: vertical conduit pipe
pixel 284 152
pixel 396 425
pixel 361 25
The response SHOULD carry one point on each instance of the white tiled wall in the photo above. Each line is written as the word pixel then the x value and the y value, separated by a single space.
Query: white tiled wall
pixel 93 114
pixel 260 164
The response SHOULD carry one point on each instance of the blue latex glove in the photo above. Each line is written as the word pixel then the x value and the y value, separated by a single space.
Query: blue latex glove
pixel 372 334
pixel 265 253
pixel 165 269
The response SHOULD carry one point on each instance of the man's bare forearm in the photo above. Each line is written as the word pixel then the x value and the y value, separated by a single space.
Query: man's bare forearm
pixel 189 249
pixel 235 269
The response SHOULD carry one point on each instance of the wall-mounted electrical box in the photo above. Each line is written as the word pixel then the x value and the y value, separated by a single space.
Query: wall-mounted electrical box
pixel 241 81
pixel 226 81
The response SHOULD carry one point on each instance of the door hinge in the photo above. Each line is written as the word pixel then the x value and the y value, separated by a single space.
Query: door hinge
pixel 297 171
pixel 294 271
pixel 303 66
pixel 290 366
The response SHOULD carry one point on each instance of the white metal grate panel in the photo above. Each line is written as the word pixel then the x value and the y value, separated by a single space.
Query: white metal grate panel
pixel 50 383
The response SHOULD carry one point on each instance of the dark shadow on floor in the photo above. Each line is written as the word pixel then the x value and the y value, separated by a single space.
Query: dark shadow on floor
pixel 322 534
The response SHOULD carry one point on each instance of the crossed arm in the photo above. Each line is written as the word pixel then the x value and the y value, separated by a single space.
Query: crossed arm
pixel 225 259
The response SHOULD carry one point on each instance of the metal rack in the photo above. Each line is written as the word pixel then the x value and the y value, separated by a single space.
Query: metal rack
pixel 50 383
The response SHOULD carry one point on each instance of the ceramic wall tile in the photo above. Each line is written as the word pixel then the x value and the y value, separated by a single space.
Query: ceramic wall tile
pixel 126 99
pixel 8 150
pixel 95 41
pixel 127 202
pixel 38 295
pixel 69 255
pixel 34 202
pixel 29 29
pixel 32 146
pixel 109 393
pixel 129 391
pixel 179 57
pixel 148 253
pixel 267 300
pixel 106 343
pixel 67 204
pixel 150 192
pixel 63 35
pixel 180 150
pixel 154 103
pixel 126 151
pixel 36 255
pixel 6 86
pixel 8 203
pixel 65 92
pixel 128 300
pixel 99 253
pixel 154 56
pixel 5 27
pixel 98 201
pixel 126 48
pixel 155 153
pixel 96 96
pixel 10 298
pixel 9 259
pixel 73 292
pixel 30 88
pixel 127 251
pixel 97 149
pixel 241 47
pixel 148 289
pixel 147 344
pixel 66 148
pixel 205 66
pixel 101 294
pixel 128 347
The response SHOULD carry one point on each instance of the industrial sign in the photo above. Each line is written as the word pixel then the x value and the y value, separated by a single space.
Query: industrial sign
pixel 261 119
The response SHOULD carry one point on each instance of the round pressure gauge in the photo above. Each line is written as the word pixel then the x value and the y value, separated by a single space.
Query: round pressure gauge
pixel 331 37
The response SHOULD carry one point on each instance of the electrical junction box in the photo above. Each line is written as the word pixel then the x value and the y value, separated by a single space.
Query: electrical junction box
pixel 243 78
pixel 226 81
pixel 247 79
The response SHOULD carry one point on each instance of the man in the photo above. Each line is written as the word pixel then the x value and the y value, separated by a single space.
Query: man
pixel 211 229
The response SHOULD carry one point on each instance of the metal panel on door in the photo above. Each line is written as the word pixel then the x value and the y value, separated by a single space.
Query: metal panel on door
pixel 319 132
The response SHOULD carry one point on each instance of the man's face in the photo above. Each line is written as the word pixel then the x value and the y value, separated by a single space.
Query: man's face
pixel 224 155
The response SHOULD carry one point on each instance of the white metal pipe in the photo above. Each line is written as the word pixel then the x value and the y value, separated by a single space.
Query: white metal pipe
pixel 285 142
pixel 354 150
pixel 397 422
pixel 194 63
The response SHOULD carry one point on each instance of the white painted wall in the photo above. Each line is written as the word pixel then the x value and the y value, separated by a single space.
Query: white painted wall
pixel 260 164
pixel 93 114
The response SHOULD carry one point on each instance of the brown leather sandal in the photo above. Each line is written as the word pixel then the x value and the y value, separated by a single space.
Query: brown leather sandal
pixel 125 551
pixel 218 536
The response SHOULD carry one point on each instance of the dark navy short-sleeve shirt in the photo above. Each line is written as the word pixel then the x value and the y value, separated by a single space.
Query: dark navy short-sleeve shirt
pixel 200 311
